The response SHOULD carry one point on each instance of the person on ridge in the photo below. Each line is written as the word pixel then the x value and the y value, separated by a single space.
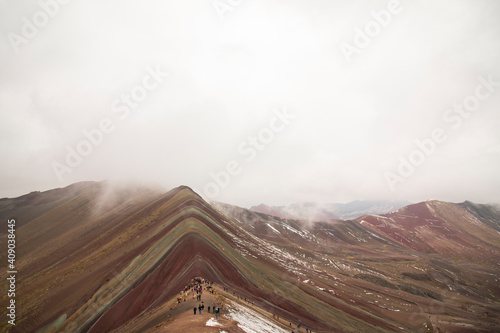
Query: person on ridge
pixel 194 310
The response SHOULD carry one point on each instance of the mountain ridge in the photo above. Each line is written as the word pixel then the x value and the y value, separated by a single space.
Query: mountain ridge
pixel 321 212
pixel 98 257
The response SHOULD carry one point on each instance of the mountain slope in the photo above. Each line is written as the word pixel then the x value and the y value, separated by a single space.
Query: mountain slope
pixel 97 257
pixel 91 269
pixel 455 230
pixel 431 266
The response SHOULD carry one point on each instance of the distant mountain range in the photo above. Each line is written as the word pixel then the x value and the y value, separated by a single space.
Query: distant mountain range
pixel 322 212
pixel 97 257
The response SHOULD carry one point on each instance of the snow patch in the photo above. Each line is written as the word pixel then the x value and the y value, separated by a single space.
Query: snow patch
pixel 212 323
pixel 250 321
pixel 379 216
pixel 274 229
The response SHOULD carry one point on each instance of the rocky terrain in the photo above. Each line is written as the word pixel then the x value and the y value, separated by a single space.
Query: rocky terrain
pixel 97 257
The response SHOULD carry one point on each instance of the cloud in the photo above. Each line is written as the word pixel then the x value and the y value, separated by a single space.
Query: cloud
pixel 225 79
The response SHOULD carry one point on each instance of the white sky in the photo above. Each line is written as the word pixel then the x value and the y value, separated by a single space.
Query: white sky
pixel 226 79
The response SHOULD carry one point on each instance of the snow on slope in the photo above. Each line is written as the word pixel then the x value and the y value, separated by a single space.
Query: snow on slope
pixel 250 321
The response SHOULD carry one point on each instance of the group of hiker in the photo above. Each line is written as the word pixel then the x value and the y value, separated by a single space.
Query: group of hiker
pixel 198 285
pixel 215 309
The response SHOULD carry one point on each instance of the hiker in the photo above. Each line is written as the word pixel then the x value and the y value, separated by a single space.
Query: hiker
pixel 209 309
pixel 216 313
pixel 194 310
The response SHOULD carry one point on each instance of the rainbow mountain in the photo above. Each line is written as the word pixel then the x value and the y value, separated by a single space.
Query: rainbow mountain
pixel 98 257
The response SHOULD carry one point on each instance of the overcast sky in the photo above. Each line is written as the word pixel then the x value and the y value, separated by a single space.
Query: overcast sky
pixel 254 101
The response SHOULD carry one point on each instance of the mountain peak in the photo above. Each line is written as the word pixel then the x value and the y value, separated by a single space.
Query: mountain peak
pixel 103 257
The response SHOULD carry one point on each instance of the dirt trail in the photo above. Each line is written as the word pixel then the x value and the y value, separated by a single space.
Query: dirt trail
pixel 185 321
